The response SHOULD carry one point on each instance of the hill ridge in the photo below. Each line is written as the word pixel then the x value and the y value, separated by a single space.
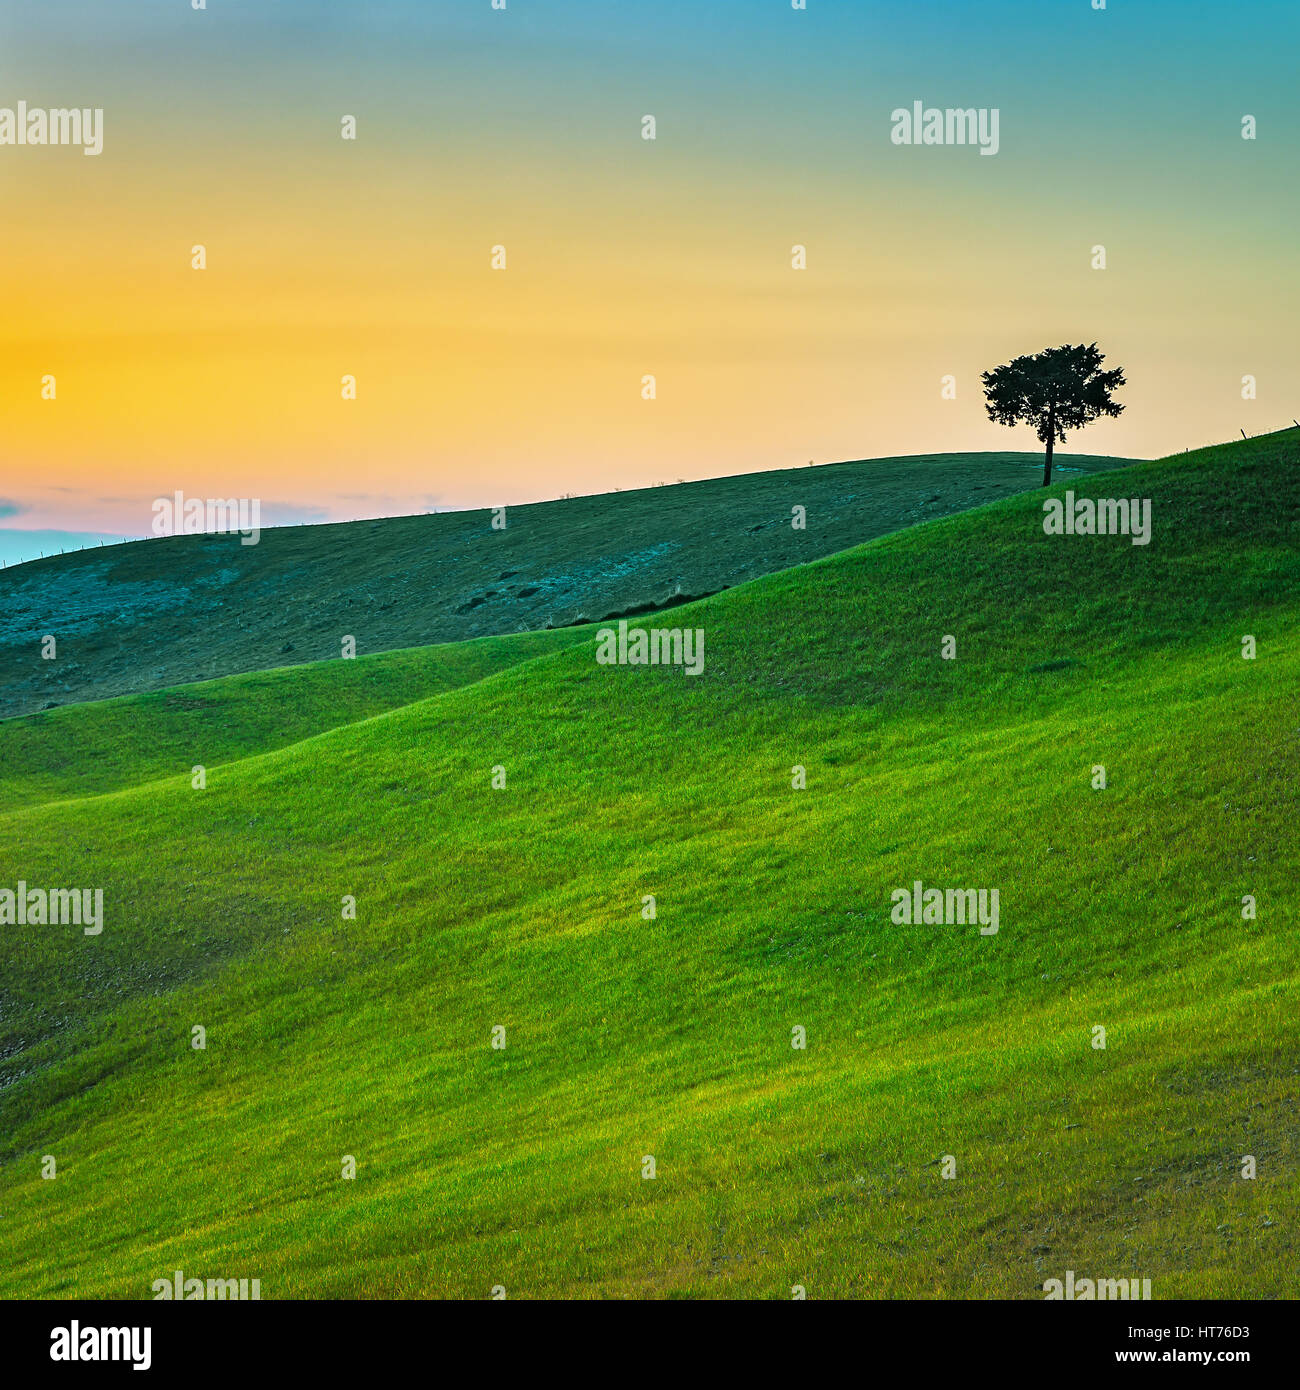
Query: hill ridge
pixel 168 611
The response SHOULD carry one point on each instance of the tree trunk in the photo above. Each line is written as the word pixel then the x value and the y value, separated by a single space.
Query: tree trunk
pixel 1051 440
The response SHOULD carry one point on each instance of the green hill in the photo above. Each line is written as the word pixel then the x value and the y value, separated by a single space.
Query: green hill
pixel 153 614
pixel 112 744
pixel 930 1048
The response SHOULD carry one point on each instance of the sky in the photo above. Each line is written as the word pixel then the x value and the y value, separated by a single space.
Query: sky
pixel 625 257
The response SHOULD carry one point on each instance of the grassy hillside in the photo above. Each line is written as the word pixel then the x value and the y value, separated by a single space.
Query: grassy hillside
pixel 159 613
pixel 522 908
pixel 91 748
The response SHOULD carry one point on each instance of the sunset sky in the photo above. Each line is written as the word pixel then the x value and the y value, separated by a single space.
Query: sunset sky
pixel 625 257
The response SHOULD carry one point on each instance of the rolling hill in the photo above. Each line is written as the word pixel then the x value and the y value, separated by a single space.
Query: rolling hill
pixel 148 615
pixel 930 1050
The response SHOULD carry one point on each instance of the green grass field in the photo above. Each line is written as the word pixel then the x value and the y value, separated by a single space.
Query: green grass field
pixel 522 908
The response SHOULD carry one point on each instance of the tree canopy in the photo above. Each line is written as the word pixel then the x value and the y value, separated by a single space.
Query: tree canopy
pixel 1055 390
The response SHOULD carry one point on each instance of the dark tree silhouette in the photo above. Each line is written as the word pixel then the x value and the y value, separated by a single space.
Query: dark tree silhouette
pixel 1055 390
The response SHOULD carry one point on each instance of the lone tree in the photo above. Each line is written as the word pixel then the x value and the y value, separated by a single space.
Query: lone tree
pixel 1055 390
